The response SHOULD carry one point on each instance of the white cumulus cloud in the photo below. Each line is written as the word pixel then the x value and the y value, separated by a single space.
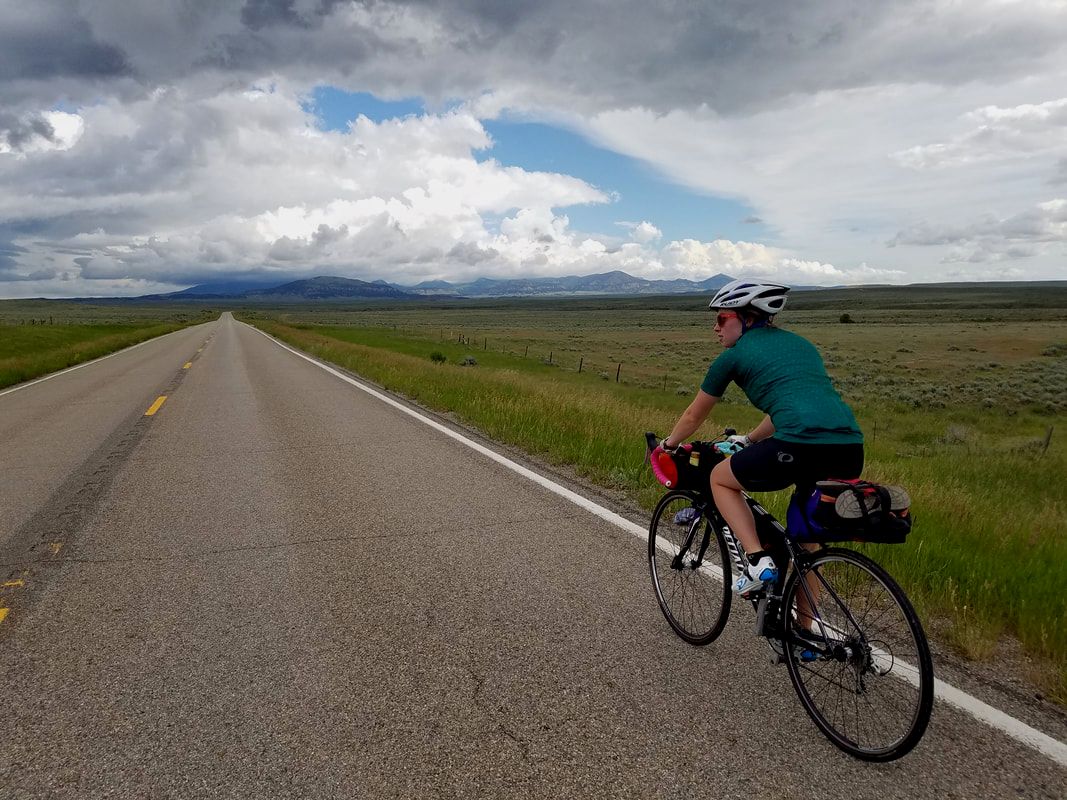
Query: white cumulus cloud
pixel 179 187
pixel 1042 228
pixel 1024 131
pixel 146 145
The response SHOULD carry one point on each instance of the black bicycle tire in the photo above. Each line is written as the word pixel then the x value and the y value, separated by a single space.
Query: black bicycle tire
pixel 925 662
pixel 698 638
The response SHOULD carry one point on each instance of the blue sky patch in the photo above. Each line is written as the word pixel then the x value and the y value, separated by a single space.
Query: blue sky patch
pixel 639 192
pixel 336 108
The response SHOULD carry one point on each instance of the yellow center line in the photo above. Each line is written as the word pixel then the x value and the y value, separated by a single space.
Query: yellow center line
pixel 152 409
pixel 187 365
pixel 16 582
pixel 3 613
pixel 56 547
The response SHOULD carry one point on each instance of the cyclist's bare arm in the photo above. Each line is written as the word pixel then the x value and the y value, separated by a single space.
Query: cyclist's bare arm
pixel 692 418
pixel 764 430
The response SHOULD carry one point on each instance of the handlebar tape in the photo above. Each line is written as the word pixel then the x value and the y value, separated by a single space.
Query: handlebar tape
pixel 663 465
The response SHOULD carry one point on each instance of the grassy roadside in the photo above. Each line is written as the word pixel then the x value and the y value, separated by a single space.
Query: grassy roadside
pixel 988 556
pixel 29 351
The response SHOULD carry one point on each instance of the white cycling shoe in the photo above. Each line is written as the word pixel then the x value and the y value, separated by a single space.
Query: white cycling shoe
pixel 762 573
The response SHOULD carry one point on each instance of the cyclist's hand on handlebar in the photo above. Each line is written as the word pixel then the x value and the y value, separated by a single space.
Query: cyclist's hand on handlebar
pixel 656 444
pixel 733 444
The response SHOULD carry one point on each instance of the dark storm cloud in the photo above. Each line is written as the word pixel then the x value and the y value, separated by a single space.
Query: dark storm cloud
pixel 8 273
pixel 256 14
pixel 153 157
pixel 8 252
pixel 18 131
pixel 51 40
pixel 662 54
pixel 991 239
pixel 11 270
pixel 471 253
pixel 736 54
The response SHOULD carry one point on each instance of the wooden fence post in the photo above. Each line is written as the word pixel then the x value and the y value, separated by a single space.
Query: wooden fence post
pixel 1048 439
pixel 580 362
pixel 617 371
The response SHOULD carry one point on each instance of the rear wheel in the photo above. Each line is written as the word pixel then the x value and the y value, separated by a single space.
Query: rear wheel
pixel 857 655
pixel 690 569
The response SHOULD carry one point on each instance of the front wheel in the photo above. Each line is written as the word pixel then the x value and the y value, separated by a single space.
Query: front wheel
pixel 857 655
pixel 690 569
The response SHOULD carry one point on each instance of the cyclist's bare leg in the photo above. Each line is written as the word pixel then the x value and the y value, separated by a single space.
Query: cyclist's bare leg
pixel 733 507
pixel 805 612
pixel 738 515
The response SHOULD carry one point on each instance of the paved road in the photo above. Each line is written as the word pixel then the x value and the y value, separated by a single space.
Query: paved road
pixel 279 587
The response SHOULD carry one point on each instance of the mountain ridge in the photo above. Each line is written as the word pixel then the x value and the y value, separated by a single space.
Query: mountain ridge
pixel 327 287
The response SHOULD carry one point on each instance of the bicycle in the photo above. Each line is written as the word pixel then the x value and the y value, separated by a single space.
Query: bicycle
pixel 854 648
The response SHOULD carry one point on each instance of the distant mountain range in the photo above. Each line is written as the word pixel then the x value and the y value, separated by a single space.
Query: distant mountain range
pixel 327 288
pixel 332 288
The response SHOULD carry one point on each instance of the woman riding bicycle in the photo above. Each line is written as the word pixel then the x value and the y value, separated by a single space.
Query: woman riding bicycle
pixel 807 435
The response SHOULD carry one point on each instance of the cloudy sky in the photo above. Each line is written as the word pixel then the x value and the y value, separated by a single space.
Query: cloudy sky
pixel 148 146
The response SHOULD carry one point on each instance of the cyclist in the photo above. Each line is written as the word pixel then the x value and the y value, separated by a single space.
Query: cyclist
pixel 807 434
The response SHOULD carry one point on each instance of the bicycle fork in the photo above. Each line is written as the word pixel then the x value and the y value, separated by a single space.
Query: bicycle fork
pixel 679 562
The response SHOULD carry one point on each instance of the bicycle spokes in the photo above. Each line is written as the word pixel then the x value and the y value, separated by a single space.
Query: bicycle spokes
pixel 694 542
pixel 870 686
pixel 687 569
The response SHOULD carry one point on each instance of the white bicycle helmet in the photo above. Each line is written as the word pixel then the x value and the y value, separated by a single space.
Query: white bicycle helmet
pixel 766 297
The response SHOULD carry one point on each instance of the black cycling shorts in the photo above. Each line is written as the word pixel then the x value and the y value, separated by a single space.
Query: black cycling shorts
pixel 772 464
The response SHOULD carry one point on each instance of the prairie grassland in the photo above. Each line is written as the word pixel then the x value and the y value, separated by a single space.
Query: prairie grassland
pixel 101 312
pixel 28 352
pixel 42 336
pixel 957 409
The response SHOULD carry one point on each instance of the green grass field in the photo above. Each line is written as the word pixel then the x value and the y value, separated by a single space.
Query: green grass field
pixel 38 337
pixel 955 405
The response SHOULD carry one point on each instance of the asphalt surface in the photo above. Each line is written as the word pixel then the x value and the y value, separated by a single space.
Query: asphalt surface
pixel 279 587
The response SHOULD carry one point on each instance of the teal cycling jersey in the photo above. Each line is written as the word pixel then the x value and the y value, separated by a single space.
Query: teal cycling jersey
pixel 783 375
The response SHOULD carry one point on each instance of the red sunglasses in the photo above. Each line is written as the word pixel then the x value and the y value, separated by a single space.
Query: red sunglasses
pixel 724 316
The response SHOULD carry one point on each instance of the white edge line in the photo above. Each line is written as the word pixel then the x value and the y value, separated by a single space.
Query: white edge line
pixel 994 717
pixel 49 377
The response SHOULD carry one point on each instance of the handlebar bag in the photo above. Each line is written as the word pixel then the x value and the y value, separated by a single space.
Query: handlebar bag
pixel 850 510
pixel 688 468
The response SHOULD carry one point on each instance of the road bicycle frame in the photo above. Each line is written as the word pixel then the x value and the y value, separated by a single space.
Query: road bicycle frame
pixel 787 552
